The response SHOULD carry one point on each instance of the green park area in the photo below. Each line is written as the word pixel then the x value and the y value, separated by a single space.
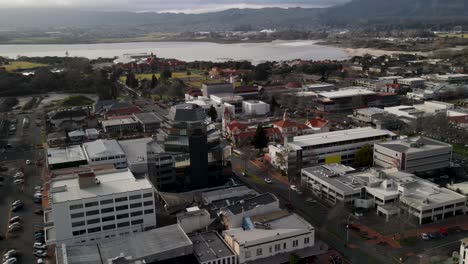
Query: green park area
pixel 179 75
pixel 453 35
pixel 76 100
pixel 22 65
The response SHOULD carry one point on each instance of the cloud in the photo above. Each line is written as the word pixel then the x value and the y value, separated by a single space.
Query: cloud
pixel 185 6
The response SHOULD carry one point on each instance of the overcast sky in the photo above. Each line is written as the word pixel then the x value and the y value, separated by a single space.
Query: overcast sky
pixel 186 6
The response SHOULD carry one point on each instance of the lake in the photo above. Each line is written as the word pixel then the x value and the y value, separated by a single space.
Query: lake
pixel 187 51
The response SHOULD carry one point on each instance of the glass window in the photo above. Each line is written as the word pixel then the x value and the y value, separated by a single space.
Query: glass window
pixel 108 227
pixel 109 201
pixel 147 194
pixel 306 240
pixel 134 197
pixel 123 224
pixel 94 230
pixel 247 254
pixel 92 212
pixel 259 251
pixel 107 210
pixel 121 199
pixel 137 222
pixel 136 213
pixel 149 211
pixel 76 206
pixel 148 203
pixel 91 204
pixel 108 218
pixel 80 223
pixel 79 232
pixel 93 221
pixel 135 205
pixel 121 207
pixel 121 216
pixel 77 215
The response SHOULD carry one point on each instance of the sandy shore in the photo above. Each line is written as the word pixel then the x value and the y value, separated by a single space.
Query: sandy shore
pixel 377 52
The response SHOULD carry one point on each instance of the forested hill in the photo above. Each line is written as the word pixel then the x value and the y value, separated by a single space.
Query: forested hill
pixel 398 12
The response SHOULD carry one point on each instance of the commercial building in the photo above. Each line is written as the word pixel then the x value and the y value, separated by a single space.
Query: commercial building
pixel 217 88
pixel 56 139
pixel 416 154
pixel 148 122
pixel 415 111
pixel 232 216
pixel 389 191
pixel 463 251
pixel 270 239
pixel 367 115
pixel 120 125
pixel 92 134
pixel 136 153
pixel 77 136
pixel 210 248
pixel 255 108
pixel 89 207
pixel 352 98
pixel 325 148
pixel 194 219
pixel 453 78
pixel 67 157
pixel 105 151
pixel 412 83
pixel 167 244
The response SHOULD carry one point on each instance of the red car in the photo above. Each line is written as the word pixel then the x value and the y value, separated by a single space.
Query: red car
pixel 443 231
pixel 353 227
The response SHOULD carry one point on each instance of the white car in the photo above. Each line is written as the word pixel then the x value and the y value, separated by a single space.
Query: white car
pixel 294 188
pixel 268 180
pixel 40 253
pixel 19 174
pixel 10 261
pixel 17 202
pixel 18 181
pixel 28 162
pixel 41 247
pixel 425 236
pixel 40 261
pixel 14 225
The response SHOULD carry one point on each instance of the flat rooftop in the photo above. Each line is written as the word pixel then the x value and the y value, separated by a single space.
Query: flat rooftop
pixel 420 193
pixel 65 155
pixel 209 246
pixel 67 188
pixel 135 149
pixel 148 118
pixel 370 111
pixel 118 122
pixel 144 245
pixel 339 136
pixel 337 175
pixel 251 203
pixel 414 145
pixel 103 148
pixel 347 93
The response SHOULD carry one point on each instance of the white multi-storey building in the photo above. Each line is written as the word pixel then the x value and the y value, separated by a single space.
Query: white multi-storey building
pixel 383 189
pixel 105 151
pixel 88 207
pixel 464 251
pixel 411 155
pixel 284 235
pixel 325 148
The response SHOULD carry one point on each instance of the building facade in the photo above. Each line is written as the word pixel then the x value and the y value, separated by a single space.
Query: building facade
pixel 104 151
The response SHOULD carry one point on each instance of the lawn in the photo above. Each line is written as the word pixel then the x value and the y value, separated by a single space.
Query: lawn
pixel 76 100
pixel 459 35
pixel 179 75
pixel 22 65
pixel 460 150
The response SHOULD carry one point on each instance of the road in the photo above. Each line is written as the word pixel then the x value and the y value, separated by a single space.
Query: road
pixel 23 142
pixel 328 222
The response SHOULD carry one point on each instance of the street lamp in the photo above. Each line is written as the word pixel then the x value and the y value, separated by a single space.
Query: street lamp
pixel 347 229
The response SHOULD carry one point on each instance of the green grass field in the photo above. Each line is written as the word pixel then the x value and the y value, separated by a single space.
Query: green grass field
pixel 453 35
pixel 179 75
pixel 22 65
pixel 77 100
pixel 460 150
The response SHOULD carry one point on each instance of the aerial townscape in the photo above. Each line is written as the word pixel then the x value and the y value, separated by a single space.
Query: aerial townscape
pixel 266 132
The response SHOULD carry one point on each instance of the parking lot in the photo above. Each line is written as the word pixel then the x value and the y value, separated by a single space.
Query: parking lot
pixel 23 147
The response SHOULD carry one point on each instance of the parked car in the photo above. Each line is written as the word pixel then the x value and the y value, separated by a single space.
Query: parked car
pixel 425 236
pixel 28 162
pixel 18 181
pixel 443 231
pixel 13 229
pixel 353 227
pixel 268 180
pixel 17 202
pixel 16 208
pixel 10 261
pixel 294 188
pixel 358 214
pixel 14 219
pixel 40 253
pixel 15 225
pixel 40 261
pixel 39 212
pixel 434 235
pixel 40 246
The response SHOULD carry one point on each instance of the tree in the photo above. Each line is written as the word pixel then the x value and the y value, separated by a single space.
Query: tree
pixel 213 114
pixel 166 74
pixel 260 140
pixel 206 74
pixel 364 156
pixel 294 258
pixel 273 105
pixel 177 88
pixel 189 73
pixel 154 81
pixel 262 72
pixel 131 80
